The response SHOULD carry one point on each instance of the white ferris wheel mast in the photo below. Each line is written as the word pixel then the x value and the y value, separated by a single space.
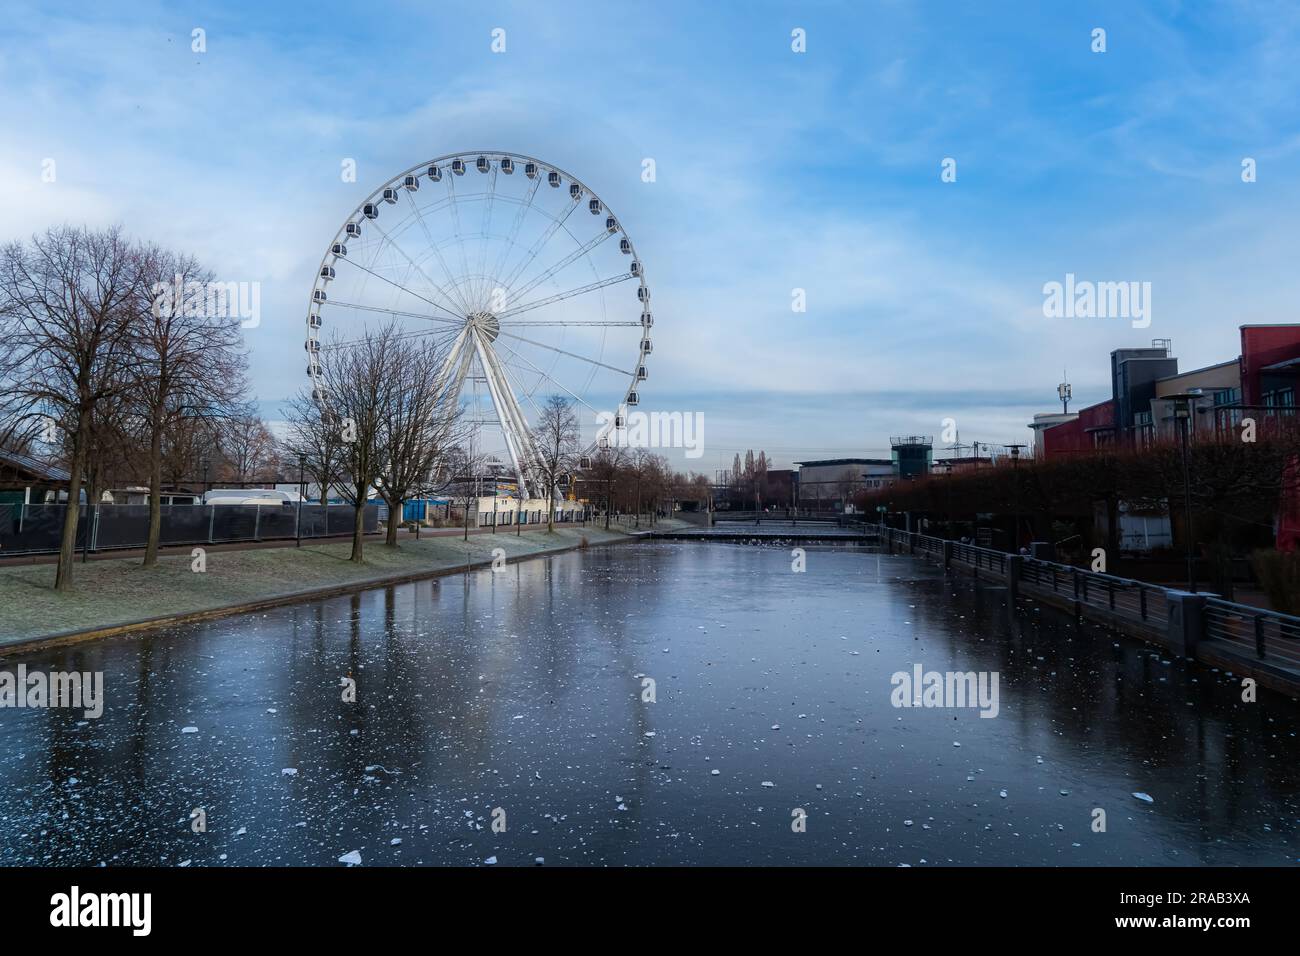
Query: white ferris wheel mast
pixel 490 308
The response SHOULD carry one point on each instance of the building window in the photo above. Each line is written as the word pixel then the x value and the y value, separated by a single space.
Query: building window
pixel 1143 429
pixel 1282 399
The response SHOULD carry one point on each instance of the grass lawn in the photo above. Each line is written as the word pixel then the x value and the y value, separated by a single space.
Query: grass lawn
pixel 114 592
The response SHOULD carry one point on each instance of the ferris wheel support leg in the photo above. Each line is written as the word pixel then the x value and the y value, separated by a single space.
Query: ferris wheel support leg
pixel 532 461
pixel 509 424
pixel 455 355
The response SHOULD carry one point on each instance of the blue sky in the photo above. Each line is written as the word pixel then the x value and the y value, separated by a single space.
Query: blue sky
pixel 775 171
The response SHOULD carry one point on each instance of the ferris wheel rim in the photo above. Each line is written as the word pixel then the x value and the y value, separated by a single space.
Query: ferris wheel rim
pixel 543 171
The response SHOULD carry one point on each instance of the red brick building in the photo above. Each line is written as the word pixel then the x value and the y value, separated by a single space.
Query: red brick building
pixel 1094 428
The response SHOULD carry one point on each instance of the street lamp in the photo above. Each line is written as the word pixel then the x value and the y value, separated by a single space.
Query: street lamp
pixel 302 464
pixel 1183 402
pixel 947 470
pixel 603 442
pixel 1015 492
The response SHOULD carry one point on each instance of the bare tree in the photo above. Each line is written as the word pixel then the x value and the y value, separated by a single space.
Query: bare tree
pixel 359 386
pixel 462 466
pixel 113 449
pixel 65 303
pixel 607 472
pixel 316 441
pixel 187 363
pixel 556 439
pixel 22 423
pixel 248 446
pixel 186 439
pixel 416 426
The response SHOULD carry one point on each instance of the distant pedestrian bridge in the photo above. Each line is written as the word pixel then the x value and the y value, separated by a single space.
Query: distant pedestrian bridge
pixel 787 525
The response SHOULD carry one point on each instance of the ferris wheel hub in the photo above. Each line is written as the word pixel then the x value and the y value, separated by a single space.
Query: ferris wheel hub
pixel 488 325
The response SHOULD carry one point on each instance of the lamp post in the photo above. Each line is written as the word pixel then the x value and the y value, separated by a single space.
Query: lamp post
pixel 206 464
pixel 302 488
pixel 1015 492
pixel 1183 414
pixel 947 470
pixel 604 444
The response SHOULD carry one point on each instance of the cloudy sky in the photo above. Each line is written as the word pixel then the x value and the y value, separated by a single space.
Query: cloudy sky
pixel 776 171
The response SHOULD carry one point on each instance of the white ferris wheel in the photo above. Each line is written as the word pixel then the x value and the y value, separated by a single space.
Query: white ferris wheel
pixel 517 269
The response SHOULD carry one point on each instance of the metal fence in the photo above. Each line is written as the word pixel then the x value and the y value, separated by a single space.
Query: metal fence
pixel 38 529
pixel 1136 601
pixel 1267 635
pixel 506 519
pixel 1254 632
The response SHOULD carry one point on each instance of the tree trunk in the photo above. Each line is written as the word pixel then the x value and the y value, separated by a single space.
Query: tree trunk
pixel 358 527
pixel 155 495
pixel 68 543
pixel 391 540
pixel 550 517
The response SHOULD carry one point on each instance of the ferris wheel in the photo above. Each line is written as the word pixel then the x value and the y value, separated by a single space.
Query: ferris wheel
pixel 516 269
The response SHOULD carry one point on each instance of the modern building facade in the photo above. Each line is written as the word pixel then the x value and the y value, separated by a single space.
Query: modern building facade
pixel 1260 383
pixel 830 482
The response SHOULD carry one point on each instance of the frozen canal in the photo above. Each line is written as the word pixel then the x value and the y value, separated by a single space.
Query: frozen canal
pixel 524 690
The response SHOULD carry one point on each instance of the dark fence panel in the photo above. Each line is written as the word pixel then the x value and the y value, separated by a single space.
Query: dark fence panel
pixel 122 526
pixel 281 522
pixel 235 522
pixel 36 529
pixel 27 529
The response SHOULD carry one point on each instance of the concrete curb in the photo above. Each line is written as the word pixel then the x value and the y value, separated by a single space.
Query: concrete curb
pixel 25 645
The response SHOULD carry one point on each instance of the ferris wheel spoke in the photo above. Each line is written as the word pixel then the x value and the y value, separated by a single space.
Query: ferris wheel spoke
pixel 520 216
pixel 441 291
pixel 575 355
pixel 438 335
pixel 398 285
pixel 394 312
pixel 568 260
pixel 437 252
pixel 537 246
pixel 577 398
pixel 455 216
pixel 590 323
pixel 483 290
pixel 567 294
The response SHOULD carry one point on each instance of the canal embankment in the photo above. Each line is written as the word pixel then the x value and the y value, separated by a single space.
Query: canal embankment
pixel 119 595
pixel 1238 638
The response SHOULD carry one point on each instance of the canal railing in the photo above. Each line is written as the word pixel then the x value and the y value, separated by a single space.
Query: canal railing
pixel 1246 639
pixel 1269 635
